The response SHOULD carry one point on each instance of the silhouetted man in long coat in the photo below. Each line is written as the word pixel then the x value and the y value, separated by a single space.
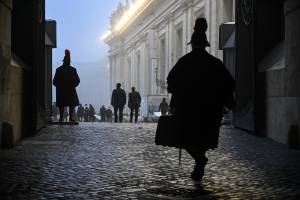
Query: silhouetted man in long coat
pixel 66 80
pixel 134 104
pixel 118 101
pixel 201 80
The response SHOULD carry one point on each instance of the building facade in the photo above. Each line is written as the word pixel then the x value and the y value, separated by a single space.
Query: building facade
pixel 147 37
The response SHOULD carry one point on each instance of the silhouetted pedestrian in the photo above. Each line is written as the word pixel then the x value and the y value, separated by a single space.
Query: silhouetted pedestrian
pixel 118 101
pixel 86 113
pixel 91 113
pixel 66 80
pixel 66 114
pixel 108 115
pixel 134 103
pixel 164 107
pixel 80 111
pixel 201 80
pixel 55 111
pixel 102 113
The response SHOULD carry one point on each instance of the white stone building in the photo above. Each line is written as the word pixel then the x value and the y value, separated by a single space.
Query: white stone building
pixel 147 37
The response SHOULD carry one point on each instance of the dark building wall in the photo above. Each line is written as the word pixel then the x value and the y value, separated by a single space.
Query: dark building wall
pixel 50 43
pixel 269 35
pixel 245 71
pixel 5 58
pixel 21 61
pixel 268 69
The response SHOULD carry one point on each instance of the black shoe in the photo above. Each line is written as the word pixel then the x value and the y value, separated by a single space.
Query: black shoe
pixel 197 174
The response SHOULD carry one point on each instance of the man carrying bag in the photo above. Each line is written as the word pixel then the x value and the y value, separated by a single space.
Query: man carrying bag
pixel 201 80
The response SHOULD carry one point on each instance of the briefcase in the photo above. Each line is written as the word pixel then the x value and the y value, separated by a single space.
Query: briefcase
pixel 167 133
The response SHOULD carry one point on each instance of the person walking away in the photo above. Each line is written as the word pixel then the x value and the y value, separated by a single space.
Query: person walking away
pixel 164 107
pixel 108 115
pixel 80 111
pixel 54 111
pixel 102 113
pixel 199 71
pixel 134 104
pixel 66 80
pixel 91 113
pixel 118 101
pixel 86 113
pixel 66 114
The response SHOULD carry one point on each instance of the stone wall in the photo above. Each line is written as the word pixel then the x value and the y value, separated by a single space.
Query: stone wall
pixel 278 89
pixel 5 55
pixel 15 81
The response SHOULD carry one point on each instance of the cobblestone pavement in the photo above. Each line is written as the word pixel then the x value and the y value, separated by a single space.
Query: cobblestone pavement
pixel 121 161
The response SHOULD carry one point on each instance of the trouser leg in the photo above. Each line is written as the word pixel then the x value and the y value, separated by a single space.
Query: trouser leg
pixel 71 112
pixel 136 112
pixel 131 114
pixel 61 113
pixel 198 154
pixel 116 114
pixel 121 114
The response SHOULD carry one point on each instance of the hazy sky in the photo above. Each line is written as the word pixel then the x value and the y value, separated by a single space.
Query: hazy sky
pixel 80 24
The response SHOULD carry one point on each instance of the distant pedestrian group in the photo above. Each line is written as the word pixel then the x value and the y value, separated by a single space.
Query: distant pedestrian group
pixel 118 101
pixel 86 114
pixel 106 114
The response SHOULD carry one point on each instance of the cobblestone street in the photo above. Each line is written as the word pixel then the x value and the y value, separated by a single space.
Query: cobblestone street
pixel 121 161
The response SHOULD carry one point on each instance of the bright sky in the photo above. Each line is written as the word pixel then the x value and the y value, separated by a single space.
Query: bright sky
pixel 80 25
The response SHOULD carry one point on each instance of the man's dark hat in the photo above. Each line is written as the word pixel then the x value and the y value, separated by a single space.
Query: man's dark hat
pixel 67 55
pixel 199 36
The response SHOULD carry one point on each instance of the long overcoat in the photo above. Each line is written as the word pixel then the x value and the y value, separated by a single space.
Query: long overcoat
pixel 118 98
pixel 66 80
pixel 134 100
pixel 200 86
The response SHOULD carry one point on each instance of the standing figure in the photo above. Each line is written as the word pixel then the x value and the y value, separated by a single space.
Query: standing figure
pixel 54 111
pixel 102 113
pixel 80 111
pixel 108 115
pixel 164 107
pixel 86 113
pixel 134 104
pixel 118 101
pixel 66 80
pixel 91 113
pixel 66 114
pixel 201 80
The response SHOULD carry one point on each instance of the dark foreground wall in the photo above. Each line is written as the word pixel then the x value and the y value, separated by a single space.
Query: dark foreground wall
pixel 21 65
pixel 268 72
